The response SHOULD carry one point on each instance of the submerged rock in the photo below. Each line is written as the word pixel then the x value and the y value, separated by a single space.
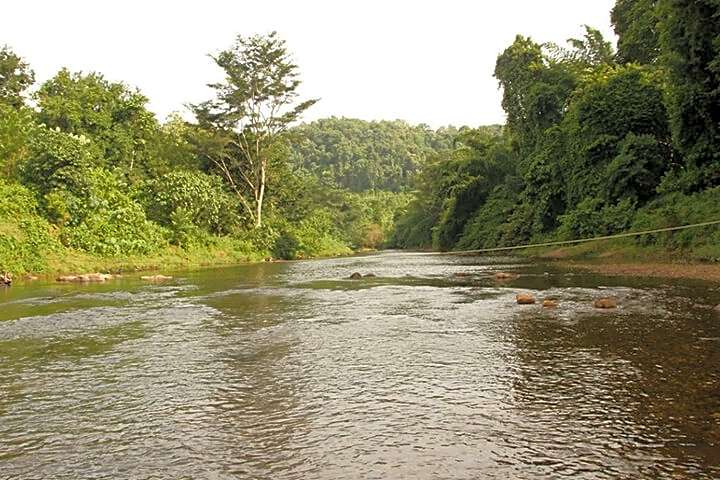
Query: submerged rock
pixel 606 303
pixel 356 276
pixel 505 276
pixel 30 278
pixel 463 274
pixel 85 278
pixel 155 278
pixel 525 299
pixel 550 303
pixel 369 275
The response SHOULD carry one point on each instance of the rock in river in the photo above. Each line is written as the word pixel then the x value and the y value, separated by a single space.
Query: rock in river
pixel 525 299
pixel 155 278
pixel 85 278
pixel 356 276
pixel 606 303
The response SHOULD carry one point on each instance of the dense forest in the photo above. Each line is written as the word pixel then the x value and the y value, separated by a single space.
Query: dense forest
pixel 89 177
pixel 599 140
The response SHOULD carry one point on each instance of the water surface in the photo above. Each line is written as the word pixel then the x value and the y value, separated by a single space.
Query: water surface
pixel 290 371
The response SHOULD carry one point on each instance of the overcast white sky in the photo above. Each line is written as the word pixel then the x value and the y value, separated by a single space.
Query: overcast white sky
pixel 421 61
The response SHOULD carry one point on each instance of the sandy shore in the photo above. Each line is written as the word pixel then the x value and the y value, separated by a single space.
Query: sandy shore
pixel 709 272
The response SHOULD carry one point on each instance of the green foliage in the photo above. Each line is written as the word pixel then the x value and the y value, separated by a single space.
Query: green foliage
pixel 15 77
pixel 360 155
pixel 679 209
pixel 592 217
pixel 25 238
pixel 635 23
pixel 588 149
pixel 184 232
pixel 105 220
pixel 591 51
pixel 690 39
pixel 114 116
pixel 201 197
pixel 253 108
pixel 57 160
pixel 15 127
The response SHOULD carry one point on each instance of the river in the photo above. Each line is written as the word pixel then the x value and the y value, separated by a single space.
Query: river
pixel 292 371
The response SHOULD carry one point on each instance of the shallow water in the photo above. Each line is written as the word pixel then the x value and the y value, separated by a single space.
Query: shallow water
pixel 289 371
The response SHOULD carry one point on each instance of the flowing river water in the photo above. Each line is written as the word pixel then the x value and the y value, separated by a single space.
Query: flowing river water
pixel 292 371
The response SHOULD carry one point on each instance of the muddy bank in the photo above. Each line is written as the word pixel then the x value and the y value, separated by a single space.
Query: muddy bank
pixel 708 272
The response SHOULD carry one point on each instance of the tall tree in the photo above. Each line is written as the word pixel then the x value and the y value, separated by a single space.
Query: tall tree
pixel 635 23
pixel 253 108
pixel 690 37
pixel 15 77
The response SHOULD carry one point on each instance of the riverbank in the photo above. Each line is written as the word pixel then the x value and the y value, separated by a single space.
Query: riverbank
pixel 622 258
pixel 69 261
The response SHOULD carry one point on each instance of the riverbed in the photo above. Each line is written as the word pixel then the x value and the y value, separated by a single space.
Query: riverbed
pixel 429 370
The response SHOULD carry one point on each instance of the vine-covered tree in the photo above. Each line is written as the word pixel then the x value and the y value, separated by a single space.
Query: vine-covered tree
pixel 635 23
pixel 690 37
pixel 253 108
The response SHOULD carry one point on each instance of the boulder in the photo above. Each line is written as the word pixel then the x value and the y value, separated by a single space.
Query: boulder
pixel 525 299
pixel 505 276
pixel 30 278
pixel 6 279
pixel 606 303
pixel 550 303
pixel 85 278
pixel 356 276
pixel 155 278
pixel 717 309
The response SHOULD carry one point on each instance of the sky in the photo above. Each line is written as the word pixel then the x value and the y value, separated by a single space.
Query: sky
pixel 421 61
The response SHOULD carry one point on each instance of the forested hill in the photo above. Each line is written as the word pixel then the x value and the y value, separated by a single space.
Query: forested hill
pixel 361 155
pixel 599 140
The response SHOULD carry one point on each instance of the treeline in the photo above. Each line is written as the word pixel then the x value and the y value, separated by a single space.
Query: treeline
pixel 87 172
pixel 597 141
pixel 360 155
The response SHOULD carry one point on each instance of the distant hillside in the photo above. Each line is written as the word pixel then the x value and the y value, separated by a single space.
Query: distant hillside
pixel 361 155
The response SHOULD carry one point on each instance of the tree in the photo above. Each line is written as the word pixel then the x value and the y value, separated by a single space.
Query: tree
pixel 635 23
pixel 15 77
pixel 112 115
pixel 591 51
pixel 536 90
pixel 253 108
pixel 690 38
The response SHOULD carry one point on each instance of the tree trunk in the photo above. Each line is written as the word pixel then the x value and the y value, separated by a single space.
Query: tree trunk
pixel 260 197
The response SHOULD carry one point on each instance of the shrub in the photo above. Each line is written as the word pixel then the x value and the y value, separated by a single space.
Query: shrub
pixel 201 197
pixel 25 237
pixel 105 220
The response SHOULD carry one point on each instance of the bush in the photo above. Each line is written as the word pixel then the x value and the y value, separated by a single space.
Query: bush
pixel 25 237
pixel 105 220
pixel 592 217
pixel 202 198
pixel 286 246
pixel 679 209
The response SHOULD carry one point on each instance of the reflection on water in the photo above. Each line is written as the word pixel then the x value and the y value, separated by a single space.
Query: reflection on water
pixel 290 371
